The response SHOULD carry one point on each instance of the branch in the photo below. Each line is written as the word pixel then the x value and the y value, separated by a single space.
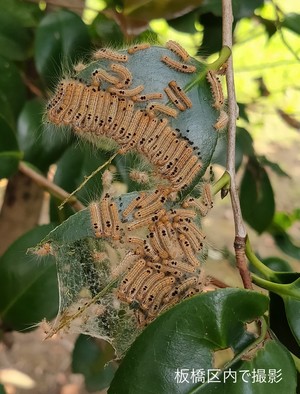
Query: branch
pixel 240 230
pixel 53 189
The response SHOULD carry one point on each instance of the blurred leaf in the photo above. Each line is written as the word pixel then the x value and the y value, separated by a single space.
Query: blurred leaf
pixel 284 220
pixel 284 242
pixel 12 90
pixel 14 39
pixel 212 34
pixel 185 23
pixel 279 322
pixel 107 30
pixel 244 142
pixel 89 358
pixel 269 25
pixel 8 139
pixel 42 145
pixel 292 22
pixel 27 13
pixel 9 162
pixel 186 337
pixel 275 167
pixel 277 264
pixel 242 111
pixel 61 37
pixel 28 287
pixel 76 163
pixel 153 9
pixel 2 390
pixel 257 198
pixel 241 8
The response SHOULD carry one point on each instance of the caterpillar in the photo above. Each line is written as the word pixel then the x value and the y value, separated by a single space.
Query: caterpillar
pixel 94 112
pixel 178 66
pixel 178 50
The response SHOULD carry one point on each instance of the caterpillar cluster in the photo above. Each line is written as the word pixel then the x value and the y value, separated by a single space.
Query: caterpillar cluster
pixel 160 268
pixel 113 112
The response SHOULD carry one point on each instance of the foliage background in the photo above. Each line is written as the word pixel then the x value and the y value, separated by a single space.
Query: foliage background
pixel 267 71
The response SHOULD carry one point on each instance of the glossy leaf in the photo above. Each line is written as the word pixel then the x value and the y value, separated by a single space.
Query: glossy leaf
pixel 273 359
pixel 292 22
pixel 257 198
pixel 279 323
pixel 186 337
pixel 60 37
pixel 15 40
pixel 41 144
pixel 28 287
pixel 89 358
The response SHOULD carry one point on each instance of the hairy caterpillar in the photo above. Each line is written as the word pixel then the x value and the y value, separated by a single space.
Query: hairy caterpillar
pixel 94 112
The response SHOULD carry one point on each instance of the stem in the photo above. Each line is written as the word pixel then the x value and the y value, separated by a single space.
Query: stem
pixel 240 230
pixel 53 189
pixel 278 288
pixel 69 319
pixel 221 183
pixel 263 269
pixel 223 57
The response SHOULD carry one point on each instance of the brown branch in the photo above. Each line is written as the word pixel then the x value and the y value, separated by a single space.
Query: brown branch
pixel 53 189
pixel 240 230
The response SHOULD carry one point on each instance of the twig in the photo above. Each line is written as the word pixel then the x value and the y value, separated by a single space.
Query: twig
pixel 69 196
pixel 279 29
pixel 240 230
pixel 53 189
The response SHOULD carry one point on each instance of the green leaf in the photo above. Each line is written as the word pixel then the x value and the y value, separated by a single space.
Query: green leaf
pixel 60 37
pixel 273 360
pixel 89 358
pixel 212 34
pixel 283 316
pixel 9 162
pixel 284 242
pixel 292 310
pixel 275 167
pixel 8 139
pixel 2 390
pixel 12 90
pixel 28 287
pixel 15 40
pixel 72 168
pixel 107 30
pixel 27 13
pixel 257 197
pixel 186 337
pixel 277 264
pixel 42 146
pixel 185 23
pixel 292 22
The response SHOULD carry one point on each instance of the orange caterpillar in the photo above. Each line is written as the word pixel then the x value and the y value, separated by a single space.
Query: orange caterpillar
pixel 94 112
